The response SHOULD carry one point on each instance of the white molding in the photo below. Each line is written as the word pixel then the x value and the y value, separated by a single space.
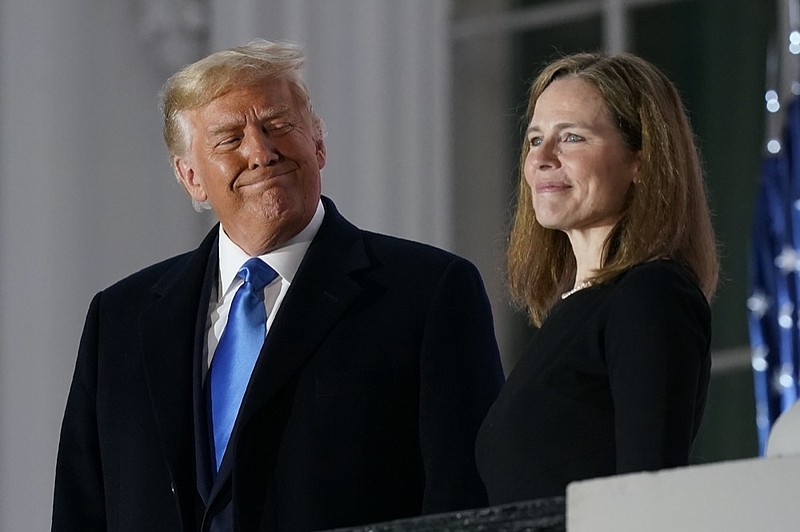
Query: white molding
pixel 551 14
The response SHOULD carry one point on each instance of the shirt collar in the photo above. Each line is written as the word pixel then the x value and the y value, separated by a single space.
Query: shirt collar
pixel 285 259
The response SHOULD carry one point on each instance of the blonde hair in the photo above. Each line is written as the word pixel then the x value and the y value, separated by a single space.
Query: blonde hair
pixel 198 83
pixel 665 214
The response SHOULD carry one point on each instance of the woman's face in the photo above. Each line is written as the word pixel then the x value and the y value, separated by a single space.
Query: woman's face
pixel 578 167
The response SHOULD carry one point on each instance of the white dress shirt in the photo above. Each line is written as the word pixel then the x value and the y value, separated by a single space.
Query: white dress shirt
pixel 285 260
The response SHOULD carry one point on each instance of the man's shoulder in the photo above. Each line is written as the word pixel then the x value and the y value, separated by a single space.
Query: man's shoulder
pixel 388 248
pixel 150 275
pixel 191 262
pixel 401 257
pixel 405 246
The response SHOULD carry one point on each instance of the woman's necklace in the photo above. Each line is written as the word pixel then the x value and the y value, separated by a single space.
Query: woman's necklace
pixel 579 286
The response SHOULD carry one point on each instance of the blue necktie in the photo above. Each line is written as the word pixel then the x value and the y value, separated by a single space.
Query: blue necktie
pixel 238 351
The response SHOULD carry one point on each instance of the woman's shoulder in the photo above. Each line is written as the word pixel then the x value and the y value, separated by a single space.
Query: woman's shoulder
pixel 655 283
pixel 657 275
pixel 659 309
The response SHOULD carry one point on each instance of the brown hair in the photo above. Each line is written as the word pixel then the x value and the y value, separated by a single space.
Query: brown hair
pixel 665 214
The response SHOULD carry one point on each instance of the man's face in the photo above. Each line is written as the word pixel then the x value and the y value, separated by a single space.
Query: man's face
pixel 255 155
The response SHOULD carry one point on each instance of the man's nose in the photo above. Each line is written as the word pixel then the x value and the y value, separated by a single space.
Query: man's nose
pixel 259 149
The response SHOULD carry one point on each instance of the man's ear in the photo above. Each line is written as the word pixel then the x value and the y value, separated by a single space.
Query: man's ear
pixel 188 178
pixel 321 152
pixel 319 141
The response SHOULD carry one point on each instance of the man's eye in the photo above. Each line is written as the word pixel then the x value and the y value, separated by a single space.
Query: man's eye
pixel 280 128
pixel 230 141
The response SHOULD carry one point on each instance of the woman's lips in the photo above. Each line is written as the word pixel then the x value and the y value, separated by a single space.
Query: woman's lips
pixel 551 186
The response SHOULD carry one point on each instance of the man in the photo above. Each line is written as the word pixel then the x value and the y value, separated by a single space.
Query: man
pixel 378 366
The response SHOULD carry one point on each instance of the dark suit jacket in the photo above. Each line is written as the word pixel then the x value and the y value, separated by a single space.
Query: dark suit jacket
pixel 363 406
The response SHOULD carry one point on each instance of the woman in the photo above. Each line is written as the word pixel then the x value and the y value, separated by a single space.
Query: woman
pixel 613 255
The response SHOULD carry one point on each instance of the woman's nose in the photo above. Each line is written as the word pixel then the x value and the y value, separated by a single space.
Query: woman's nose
pixel 545 155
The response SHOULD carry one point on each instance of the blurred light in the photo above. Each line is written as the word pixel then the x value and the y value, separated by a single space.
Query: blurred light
pixel 787 261
pixel 785 315
pixel 794 42
pixel 786 380
pixel 796 88
pixel 762 419
pixel 760 364
pixel 771 97
pixel 774 146
pixel 759 358
pixel 758 304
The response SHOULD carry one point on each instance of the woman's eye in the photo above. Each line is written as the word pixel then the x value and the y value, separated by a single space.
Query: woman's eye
pixel 572 137
pixel 535 141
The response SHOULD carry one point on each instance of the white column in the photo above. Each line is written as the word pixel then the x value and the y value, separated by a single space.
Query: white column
pixel 86 196
pixel 615 26
pixel 378 73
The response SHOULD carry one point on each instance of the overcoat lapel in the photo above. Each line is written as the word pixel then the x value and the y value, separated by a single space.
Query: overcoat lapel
pixel 168 348
pixel 204 462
